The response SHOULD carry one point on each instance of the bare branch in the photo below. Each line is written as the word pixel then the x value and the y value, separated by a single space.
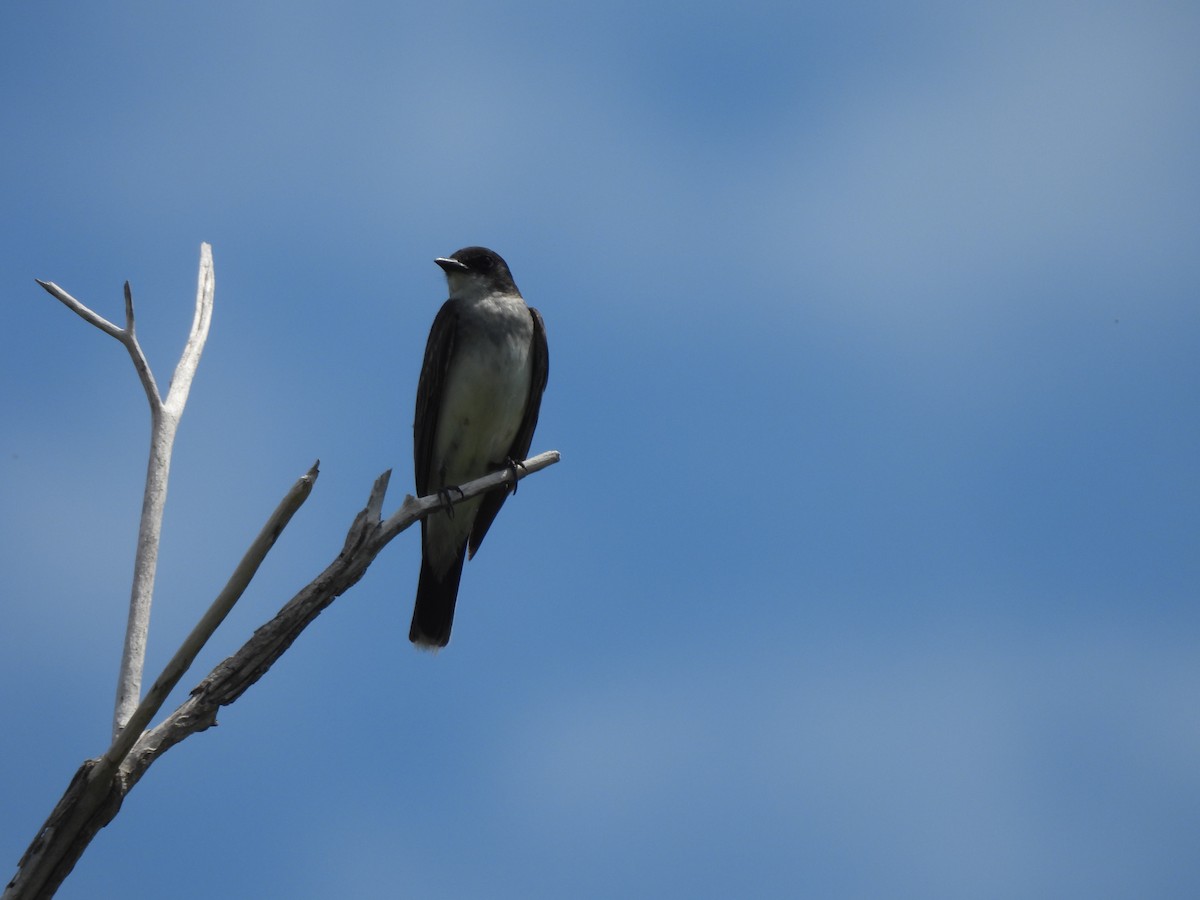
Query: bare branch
pixel 412 509
pixel 128 309
pixel 181 382
pixel 140 363
pixel 164 422
pixel 99 786
pixel 98 789
pixel 124 335
pixel 80 310
pixel 192 645
pixel 366 537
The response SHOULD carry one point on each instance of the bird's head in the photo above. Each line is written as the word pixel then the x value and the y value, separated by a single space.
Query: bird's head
pixel 474 270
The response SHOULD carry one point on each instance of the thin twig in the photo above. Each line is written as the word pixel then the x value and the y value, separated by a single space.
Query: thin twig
pixel 185 370
pixel 82 311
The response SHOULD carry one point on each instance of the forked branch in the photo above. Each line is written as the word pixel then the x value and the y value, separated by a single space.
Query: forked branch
pixel 164 422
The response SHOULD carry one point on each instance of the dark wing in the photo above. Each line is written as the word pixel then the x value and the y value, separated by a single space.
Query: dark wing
pixel 438 352
pixel 493 500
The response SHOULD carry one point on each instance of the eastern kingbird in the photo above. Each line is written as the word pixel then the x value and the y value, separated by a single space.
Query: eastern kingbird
pixel 477 405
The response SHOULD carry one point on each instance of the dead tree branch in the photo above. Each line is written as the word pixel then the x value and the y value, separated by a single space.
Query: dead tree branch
pixel 95 794
pixel 164 422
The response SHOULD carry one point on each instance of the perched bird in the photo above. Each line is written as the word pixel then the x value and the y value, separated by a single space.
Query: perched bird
pixel 481 387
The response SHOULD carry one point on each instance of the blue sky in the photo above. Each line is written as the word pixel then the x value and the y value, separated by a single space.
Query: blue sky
pixel 871 565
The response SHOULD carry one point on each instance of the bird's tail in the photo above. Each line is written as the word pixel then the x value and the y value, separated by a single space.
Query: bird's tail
pixel 433 613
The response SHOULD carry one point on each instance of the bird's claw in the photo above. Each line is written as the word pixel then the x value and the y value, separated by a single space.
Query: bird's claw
pixel 444 496
pixel 514 464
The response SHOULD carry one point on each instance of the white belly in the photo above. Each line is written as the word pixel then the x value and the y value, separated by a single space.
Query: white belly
pixel 486 401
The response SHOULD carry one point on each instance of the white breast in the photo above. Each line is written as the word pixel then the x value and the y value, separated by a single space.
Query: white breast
pixel 486 392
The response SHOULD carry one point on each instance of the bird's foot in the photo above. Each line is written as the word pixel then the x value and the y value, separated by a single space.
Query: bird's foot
pixel 513 465
pixel 444 496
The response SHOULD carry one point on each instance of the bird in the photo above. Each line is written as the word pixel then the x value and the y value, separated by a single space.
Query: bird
pixel 478 398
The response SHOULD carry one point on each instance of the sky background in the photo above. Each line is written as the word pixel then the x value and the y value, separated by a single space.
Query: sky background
pixel 871 566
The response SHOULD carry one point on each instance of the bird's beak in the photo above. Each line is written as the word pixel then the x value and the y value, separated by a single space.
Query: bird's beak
pixel 450 265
